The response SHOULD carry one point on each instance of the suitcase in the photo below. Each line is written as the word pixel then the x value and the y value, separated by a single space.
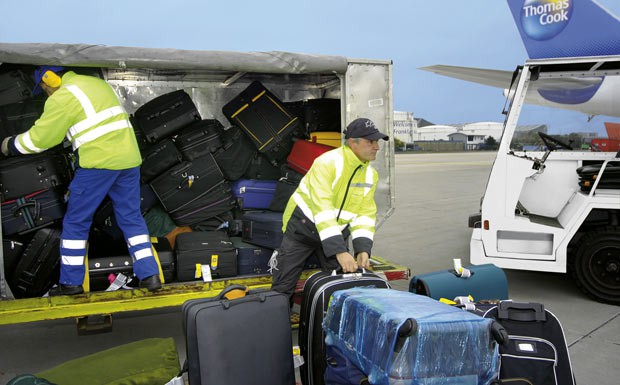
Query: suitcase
pixel 205 249
pixel 251 259
pixel 316 294
pixel 254 194
pixel 15 86
pixel 22 175
pixel 263 117
pixel 536 352
pixel 239 341
pixel 328 138
pixel 285 187
pixel 12 249
pixel 486 282
pixel 262 228
pixel 303 155
pixel 103 269
pixel 159 158
pixel 186 182
pixel 236 153
pixel 33 211
pixel 37 269
pixel 403 338
pixel 199 138
pixel 260 168
pixel 217 201
pixel 165 115
pixel 17 118
pixel 317 114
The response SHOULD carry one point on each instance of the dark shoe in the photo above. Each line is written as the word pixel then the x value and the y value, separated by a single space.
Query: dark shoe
pixel 66 290
pixel 151 283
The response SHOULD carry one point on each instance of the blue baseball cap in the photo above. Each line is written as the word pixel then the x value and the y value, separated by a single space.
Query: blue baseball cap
pixel 38 75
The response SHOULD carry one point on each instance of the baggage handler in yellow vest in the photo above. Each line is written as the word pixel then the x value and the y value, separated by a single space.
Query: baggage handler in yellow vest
pixel 334 200
pixel 86 111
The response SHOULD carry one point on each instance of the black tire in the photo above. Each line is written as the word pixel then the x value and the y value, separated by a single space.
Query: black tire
pixel 595 265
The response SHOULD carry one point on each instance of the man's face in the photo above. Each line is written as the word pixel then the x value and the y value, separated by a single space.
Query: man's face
pixel 365 149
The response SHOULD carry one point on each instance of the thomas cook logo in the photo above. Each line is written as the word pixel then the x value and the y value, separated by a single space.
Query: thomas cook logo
pixel 544 19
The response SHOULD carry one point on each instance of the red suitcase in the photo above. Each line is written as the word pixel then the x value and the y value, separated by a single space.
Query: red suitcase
pixel 303 155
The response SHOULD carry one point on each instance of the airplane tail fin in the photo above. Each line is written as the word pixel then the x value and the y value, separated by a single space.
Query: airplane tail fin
pixel 566 28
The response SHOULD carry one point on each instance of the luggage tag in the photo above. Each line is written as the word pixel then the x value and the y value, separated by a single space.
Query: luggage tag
pixel 203 271
pixel 460 270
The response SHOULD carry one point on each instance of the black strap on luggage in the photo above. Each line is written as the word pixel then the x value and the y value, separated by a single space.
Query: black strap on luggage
pixel 527 312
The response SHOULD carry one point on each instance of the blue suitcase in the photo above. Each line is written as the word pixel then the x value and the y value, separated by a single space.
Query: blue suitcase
pixel 262 228
pixel 251 259
pixel 397 337
pixel 254 194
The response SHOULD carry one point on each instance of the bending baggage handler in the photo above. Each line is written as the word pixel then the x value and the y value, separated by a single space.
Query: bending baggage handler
pixel 334 200
pixel 86 110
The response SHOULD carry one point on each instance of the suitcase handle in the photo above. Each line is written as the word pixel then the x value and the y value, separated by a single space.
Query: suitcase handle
pixel 359 272
pixel 232 292
pixel 521 311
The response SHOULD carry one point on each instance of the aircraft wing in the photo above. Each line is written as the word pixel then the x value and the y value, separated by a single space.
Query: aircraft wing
pixel 493 78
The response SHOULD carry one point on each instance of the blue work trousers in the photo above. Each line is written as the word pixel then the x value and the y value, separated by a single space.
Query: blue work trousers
pixel 87 190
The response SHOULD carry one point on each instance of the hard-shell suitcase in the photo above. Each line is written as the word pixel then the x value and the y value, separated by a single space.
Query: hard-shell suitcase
pixel 303 155
pixel 263 117
pixel 254 194
pixel 317 114
pixel 316 295
pixel 397 337
pixel 536 352
pixel 165 115
pixel 22 175
pixel 236 153
pixel 251 259
pixel 262 228
pixel 285 187
pixel 15 86
pixel 186 182
pixel 211 250
pixel 485 282
pixel 328 138
pixel 218 201
pixel 37 270
pixel 33 211
pixel 103 269
pixel 199 138
pixel 17 118
pixel 239 341
pixel 159 158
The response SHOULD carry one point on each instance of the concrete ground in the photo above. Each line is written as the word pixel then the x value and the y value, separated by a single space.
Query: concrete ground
pixel 435 193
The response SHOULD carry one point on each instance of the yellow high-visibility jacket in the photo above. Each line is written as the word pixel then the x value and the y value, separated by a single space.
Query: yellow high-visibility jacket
pixel 320 196
pixel 86 110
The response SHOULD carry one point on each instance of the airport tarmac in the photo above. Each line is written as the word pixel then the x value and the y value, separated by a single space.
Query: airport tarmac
pixel 435 193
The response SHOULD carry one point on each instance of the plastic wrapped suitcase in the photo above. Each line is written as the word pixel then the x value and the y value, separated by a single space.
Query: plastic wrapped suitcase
pixel 205 249
pixel 536 352
pixel 33 211
pixel 303 155
pixel 186 182
pixel 263 117
pixel 251 259
pixel 158 158
pixel 165 115
pixel 22 175
pixel 485 282
pixel 218 201
pixel 243 340
pixel 254 194
pixel 403 338
pixel 262 228
pixel 37 269
pixel 199 138
pixel 316 295
pixel 236 153
pixel 15 86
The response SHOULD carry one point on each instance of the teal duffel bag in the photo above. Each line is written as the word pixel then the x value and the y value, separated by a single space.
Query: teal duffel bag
pixel 485 282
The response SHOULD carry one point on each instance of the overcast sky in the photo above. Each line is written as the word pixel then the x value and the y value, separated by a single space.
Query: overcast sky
pixel 411 33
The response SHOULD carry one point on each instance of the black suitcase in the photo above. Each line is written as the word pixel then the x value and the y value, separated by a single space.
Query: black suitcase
pixel 251 259
pixel 37 269
pixel 314 302
pixel 263 117
pixel 165 115
pixel 187 182
pixel 239 341
pixel 285 187
pixel 22 175
pixel 199 138
pixel 536 352
pixel 260 168
pixel 33 211
pixel 17 118
pixel 159 158
pixel 236 153
pixel 15 86
pixel 217 201
pixel 317 114
pixel 262 228
pixel 103 269
pixel 208 249
pixel 12 249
